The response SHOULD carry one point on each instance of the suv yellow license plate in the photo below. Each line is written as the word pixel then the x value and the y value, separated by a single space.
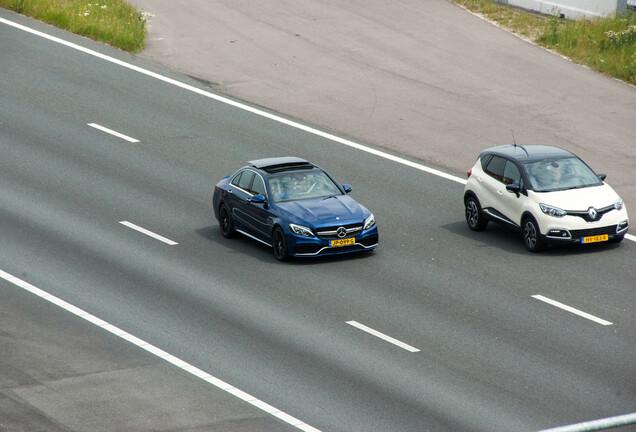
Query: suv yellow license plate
pixel 342 242
pixel 594 239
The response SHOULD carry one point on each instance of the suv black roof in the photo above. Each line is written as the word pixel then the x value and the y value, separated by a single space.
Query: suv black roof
pixel 528 153
pixel 278 164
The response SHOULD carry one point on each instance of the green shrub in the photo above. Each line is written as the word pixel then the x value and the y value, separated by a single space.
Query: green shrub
pixel 607 45
pixel 115 22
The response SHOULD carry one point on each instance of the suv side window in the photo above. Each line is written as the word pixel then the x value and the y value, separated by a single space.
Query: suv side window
pixel 511 174
pixel 485 160
pixel 495 168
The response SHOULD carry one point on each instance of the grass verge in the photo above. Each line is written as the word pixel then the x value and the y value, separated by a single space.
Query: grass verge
pixel 115 22
pixel 607 45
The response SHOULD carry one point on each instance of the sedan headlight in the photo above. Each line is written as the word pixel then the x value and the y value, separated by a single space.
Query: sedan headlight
pixel 301 230
pixel 552 211
pixel 369 222
pixel 618 205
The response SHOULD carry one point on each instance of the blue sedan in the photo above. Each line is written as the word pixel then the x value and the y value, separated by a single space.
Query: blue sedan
pixel 295 207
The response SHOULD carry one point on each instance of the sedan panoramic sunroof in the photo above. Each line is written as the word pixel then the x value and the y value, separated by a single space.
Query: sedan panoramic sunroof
pixel 272 165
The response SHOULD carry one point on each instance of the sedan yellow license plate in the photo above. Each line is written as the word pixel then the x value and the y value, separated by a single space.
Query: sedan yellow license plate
pixel 342 242
pixel 594 239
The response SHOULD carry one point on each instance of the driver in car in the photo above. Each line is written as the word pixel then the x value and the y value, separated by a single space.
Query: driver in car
pixel 302 184
pixel 555 173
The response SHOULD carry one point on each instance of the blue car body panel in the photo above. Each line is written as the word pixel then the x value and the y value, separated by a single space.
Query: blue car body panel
pixel 323 215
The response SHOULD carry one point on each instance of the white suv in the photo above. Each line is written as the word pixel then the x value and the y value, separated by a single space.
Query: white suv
pixel 547 193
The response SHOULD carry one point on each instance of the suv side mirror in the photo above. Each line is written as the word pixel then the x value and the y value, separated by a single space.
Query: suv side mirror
pixel 514 188
pixel 602 176
pixel 347 188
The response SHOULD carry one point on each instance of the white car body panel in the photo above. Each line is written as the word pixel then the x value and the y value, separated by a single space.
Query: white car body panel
pixel 496 200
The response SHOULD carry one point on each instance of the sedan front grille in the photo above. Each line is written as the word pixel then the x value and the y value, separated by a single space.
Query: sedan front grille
pixel 332 232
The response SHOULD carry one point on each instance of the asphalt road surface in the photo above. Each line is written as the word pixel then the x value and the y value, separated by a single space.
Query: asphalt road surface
pixel 478 350
pixel 421 77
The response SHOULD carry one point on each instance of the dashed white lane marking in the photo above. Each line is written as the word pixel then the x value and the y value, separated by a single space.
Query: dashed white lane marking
pixel 148 233
pixel 236 104
pixel 571 309
pixel 248 108
pixel 159 353
pixel 382 336
pixel 112 132
pixel 595 425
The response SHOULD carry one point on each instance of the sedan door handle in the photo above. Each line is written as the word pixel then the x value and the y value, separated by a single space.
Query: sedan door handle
pixel 499 192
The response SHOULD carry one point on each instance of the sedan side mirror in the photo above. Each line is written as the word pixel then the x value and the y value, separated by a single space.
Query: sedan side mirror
pixel 258 199
pixel 347 188
pixel 602 176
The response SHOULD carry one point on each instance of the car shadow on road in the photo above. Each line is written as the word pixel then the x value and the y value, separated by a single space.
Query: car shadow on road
pixel 511 241
pixel 247 246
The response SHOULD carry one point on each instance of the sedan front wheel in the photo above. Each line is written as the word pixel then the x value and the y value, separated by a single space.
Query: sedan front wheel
pixel 279 243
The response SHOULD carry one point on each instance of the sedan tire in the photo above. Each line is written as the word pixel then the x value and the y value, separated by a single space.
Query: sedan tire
pixel 279 244
pixel 225 222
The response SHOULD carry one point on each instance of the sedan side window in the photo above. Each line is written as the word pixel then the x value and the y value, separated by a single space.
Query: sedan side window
pixel 258 187
pixel 495 168
pixel 237 178
pixel 244 179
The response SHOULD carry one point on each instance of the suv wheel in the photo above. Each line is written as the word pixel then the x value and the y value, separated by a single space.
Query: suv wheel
pixel 532 235
pixel 474 216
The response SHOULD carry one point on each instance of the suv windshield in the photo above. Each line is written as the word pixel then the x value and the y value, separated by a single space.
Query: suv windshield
pixel 296 185
pixel 560 174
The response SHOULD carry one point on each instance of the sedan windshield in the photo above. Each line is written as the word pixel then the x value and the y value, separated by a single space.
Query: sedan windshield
pixel 297 185
pixel 560 174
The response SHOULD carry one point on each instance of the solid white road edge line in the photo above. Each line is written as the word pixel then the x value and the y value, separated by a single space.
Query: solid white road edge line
pixel 248 108
pixel 382 336
pixel 571 309
pixel 158 352
pixel 237 104
pixel 592 425
pixel 148 233
pixel 112 132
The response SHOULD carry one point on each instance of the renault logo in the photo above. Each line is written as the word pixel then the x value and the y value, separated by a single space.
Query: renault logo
pixel 592 213
pixel 341 232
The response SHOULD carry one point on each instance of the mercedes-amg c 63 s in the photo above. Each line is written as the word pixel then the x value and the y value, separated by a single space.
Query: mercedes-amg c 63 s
pixel 295 207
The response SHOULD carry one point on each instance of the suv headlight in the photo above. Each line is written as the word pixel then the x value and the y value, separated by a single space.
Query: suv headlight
pixel 552 211
pixel 369 222
pixel 618 205
pixel 301 230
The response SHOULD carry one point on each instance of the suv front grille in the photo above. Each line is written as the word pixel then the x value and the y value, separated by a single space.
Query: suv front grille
pixel 586 217
pixel 609 230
